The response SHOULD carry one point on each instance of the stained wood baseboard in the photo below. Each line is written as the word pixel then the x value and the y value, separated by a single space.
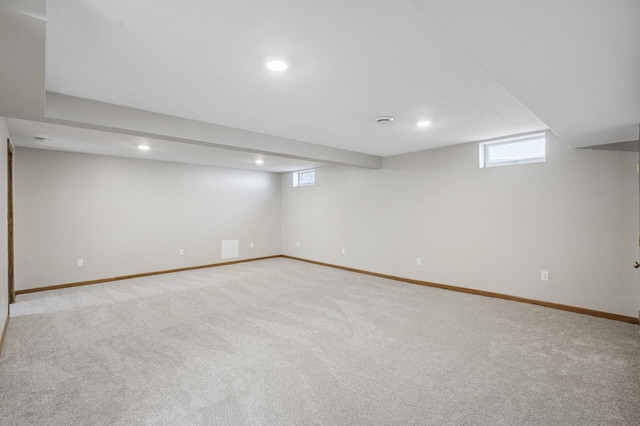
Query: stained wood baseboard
pixel 575 309
pixel 4 331
pixel 559 306
pixel 144 274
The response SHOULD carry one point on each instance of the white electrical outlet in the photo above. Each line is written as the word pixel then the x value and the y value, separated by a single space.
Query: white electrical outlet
pixel 544 275
pixel 181 252
pixel 80 263
pixel 418 261
pixel 251 244
pixel 344 251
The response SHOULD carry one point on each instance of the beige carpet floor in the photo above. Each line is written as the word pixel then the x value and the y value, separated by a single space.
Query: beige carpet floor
pixel 282 342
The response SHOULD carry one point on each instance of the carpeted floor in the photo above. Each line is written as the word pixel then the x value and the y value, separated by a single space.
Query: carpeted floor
pixel 285 342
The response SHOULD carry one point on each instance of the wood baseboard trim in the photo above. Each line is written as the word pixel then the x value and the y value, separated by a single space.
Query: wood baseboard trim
pixel 584 311
pixel 144 274
pixel 4 331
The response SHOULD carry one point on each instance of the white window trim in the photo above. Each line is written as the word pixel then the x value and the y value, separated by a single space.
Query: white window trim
pixel 522 138
pixel 296 178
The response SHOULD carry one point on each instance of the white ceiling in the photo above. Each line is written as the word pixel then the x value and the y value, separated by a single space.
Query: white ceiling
pixel 75 139
pixel 350 62
pixel 574 63
pixel 191 75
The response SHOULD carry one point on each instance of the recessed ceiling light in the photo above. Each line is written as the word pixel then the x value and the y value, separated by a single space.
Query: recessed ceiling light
pixel 277 65
pixel 144 147
pixel 259 161
pixel 424 123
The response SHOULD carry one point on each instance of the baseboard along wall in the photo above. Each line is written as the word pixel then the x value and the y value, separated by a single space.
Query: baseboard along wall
pixel 4 332
pixel 578 310
pixel 144 274
pixel 584 311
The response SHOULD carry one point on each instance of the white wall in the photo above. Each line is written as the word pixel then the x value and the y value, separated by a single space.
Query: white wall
pixel 125 216
pixel 496 229
pixel 4 306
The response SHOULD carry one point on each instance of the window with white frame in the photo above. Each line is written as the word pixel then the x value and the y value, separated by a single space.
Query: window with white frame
pixel 516 150
pixel 304 178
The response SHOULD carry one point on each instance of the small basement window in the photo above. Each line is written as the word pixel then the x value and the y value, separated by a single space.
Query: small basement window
pixel 304 178
pixel 518 150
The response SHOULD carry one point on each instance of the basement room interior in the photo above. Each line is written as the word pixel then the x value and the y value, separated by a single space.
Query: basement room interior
pixel 340 213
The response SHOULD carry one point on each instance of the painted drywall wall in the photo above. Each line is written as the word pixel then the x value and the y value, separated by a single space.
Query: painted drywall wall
pixel 495 229
pixel 126 216
pixel 4 290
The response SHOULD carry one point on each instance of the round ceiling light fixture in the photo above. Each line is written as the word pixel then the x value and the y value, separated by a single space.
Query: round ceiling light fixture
pixel 384 119
pixel 144 147
pixel 423 123
pixel 277 65
pixel 259 161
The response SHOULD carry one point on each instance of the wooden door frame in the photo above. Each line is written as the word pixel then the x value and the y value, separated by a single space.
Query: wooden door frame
pixel 10 277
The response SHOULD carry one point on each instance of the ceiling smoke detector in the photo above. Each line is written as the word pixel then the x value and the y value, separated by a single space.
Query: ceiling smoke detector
pixel 384 119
